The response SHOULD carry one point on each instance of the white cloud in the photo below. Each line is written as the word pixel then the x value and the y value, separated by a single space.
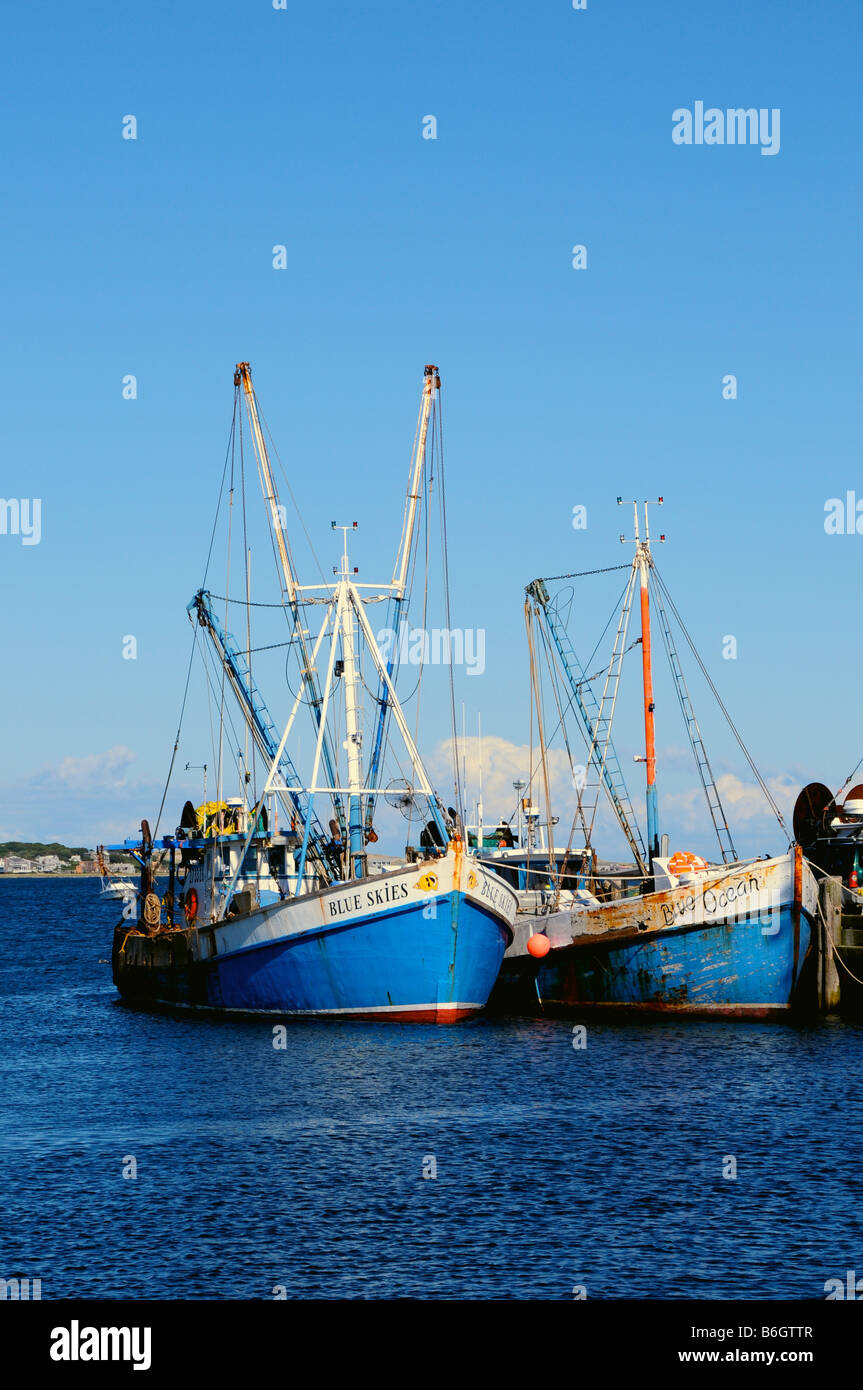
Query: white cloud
pixel 742 801
pixel 95 772
pixel 749 801
pixel 81 800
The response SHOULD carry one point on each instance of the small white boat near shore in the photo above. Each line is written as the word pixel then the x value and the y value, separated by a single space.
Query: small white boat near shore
pixel 117 889
pixel 112 889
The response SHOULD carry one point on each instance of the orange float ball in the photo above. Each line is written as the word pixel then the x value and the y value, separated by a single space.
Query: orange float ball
pixel 538 945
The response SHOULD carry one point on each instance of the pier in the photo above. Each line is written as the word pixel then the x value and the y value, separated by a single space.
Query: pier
pixel 839 979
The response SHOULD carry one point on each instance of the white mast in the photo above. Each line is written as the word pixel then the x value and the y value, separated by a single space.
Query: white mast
pixel 243 375
pixel 431 383
pixel 353 729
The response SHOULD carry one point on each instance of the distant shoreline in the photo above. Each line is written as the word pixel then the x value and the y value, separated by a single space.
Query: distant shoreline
pixel 84 878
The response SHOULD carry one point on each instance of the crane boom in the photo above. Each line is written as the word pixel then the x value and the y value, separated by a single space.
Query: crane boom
pixel 260 723
pixel 594 721
pixel 243 377
pixel 431 386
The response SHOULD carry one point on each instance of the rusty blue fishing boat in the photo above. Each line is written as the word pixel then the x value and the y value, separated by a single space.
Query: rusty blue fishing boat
pixel 669 933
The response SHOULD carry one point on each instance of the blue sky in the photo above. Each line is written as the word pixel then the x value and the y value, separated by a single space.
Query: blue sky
pixel 303 127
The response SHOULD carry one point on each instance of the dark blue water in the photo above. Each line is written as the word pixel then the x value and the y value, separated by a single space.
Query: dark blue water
pixel 303 1167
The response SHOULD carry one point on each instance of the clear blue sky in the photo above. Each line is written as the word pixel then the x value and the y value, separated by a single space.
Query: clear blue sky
pixel 304 127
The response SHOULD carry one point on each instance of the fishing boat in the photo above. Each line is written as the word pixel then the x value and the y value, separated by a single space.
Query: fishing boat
pixel 298 921
pixel 668 933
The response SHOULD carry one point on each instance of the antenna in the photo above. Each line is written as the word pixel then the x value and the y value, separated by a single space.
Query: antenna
pixel 345 570
pixel 657 502
pixel 519 786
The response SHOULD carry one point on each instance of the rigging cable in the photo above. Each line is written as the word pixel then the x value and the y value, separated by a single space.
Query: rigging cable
pixel 228 454
pixel 615 610
pixel 220 759
pixel 745 751
pixel 179 729
pixel 438 416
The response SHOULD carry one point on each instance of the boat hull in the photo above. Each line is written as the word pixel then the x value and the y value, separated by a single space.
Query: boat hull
pixel 736 945
pixel 394 947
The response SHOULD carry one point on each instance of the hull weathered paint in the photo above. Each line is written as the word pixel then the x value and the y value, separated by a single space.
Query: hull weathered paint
pixel 421 944
pixel 733 944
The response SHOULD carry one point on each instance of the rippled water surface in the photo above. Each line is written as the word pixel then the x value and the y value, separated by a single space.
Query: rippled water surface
pixel 303 1167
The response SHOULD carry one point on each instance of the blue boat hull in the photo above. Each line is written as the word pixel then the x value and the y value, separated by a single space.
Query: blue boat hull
pixel 718 970
pixel 738 944
pixel 430 962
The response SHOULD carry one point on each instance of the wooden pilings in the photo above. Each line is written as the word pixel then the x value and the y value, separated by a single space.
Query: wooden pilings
pixel 829 936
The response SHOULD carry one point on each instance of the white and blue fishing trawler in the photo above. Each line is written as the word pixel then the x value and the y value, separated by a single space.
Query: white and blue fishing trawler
pixel 236 915
pixel 668 933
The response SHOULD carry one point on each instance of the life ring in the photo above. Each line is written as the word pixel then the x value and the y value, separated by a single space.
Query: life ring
pixel 190 906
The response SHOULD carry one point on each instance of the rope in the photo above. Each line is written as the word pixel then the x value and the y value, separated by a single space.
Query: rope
pixel 228 456
pixel 855 897
pixel 832 944
pixel 597 674
pixel 581 574
pixel 847 780
pixel 179 730
pixel 222 598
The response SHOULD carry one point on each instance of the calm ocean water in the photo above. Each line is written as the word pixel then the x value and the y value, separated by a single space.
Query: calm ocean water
pixel 303 1167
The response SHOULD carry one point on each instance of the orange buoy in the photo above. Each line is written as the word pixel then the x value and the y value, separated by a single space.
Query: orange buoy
pixel 190 906
pixel 538 945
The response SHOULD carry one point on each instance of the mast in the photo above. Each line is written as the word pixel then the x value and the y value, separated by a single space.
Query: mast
pixel 642 562
pixel 353 730
pixel 431 385
pixel 243 377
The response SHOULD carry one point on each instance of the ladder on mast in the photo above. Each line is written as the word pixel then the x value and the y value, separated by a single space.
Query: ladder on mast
pixel 260 721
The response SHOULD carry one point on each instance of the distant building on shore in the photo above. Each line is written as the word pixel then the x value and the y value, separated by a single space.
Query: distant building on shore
pixel 14 864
